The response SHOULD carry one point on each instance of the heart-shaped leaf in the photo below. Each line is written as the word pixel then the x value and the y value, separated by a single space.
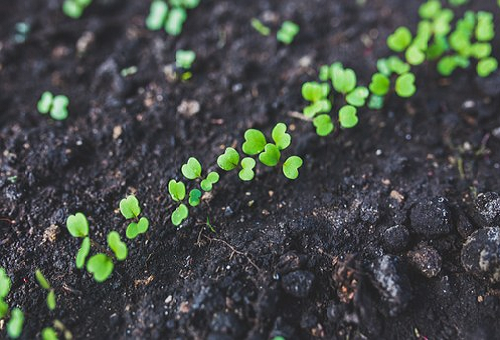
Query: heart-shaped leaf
pixel 405 85
pixel 142 225
pixel 280 137
pixel 314 91
pixel 400 39
pixel 208 182
pixel 358 96
pixel 348 117
pixel 101 266
pixel 77 225
pixel 379 84
pixel 291 167
pixel 323 124
pixel 194 197
pixel 177 190
pixel 129 207
pixel 192 169
pixel 117 246
pixel 414 55
pixel 45 102
pixel 59 109
pixel 5 283
pixel 344 80
pixel 229 159
pixel 270 156
pixel 247 165
pixel 255 141
pixel 83 252
pixel 179 214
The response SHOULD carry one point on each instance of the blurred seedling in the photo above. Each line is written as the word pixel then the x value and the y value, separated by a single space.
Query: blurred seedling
pixel 74 8
pixel 286 34
pixel 56 106
pixel 16 321
pixel 171 16
pixel 260 27
pixel 130 209
pixel 184 59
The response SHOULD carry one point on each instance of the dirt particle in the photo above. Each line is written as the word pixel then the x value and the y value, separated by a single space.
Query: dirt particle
pixel 427 260
pixel 188 108
pixel 488 206
pixel 50 234
pixel 298 283
pixel 397 196
pixel 481 254
pixel 431 218
pixel 396 238
pixel 117 131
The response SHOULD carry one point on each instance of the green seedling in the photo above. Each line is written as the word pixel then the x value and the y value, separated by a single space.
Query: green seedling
pixel 400 39
pixel 74 8
pixel 49 333
pixel 175 21
pixel 317 94
pixel 457 2
pixel 194 197
pixel 177 190
pixel 247 172
pixel 192 169
pixel 405 85
pixel 280 137
pixel 184 59
pixel 15 324
pixel 260 27
pixel 56 106
pixel 51 296
pixel 255 141
pixel 170 18
pixel 486 66
pixel 323 124
pixel 270 156
pixel 130 209
pixel 291 167
pixel 343 79
pixel 118 247
pixel 179 214
pixel 414 55
pixel 157 15
pixel 485 29
pixel 358 96
pixel 429 9
pixel 287 32
pixel 101 266
pixel 78 226
pixel 207 183
pixel 82 253
pixel 348 116
pixel 376 102
pixel 380 84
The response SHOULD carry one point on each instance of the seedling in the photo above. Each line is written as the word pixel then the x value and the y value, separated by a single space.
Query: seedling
pixel 56 106
pixel 101 266
pixel 74 8
pixel 130 209
pixel 51 296
pixel 270 156
pixel 405 85
pixel 291 167
pixel 260 27
pixel 287 32
pixel 16 321
pixel 184 59
pixel 348 117
pixel 400 39
pixel 78 226
pixel 118 247
pixel 255 142
pixel 170 18
pixel 323 124
pixel 380 84
pixel 229 160
pixel 344 80
pixel 247 172
pixel 317 94
pixel 486 66
pixel 192 171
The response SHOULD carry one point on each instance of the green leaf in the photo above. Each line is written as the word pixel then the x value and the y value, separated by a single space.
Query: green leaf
pixel 324 73
pixel 142 225
pixel 192 169
pixel 414 55
pixel 383 67
pixel 184 59
pixel 323 124
pixel 441 24
pixel 207 183
pixel 132 231
pixel 49 333
pixel 287 32
pixel 83 252
pixel 348 117
pixel 4 308
pixel 380 84
pixel 376 102
pixel 255 142
pixel 157 15
pixel 179 214
pixel 129 207
pixel 72 9
pixel 397 65
pixel 177 190
pixel 5 283
pixel 323 105
pixel 194 197
pixel 45 102
pixel 313 91
pixel 291 167
pixel 260 27
pixel 229 160
pixel 485 30
pixel 247 173
pixel 41 279
pixel 101 266
pixel 447 65
pixel 344 80
pixel 51 300
pixel 358 96
pixel 429 9
pixel 437 49
pixel 400 39
pixel 405 85
pixel 486 66
pixel 270 156
pixel 175 20
pixel 281 138
pixel 77 225
pixel 481 50
pixel 117 246
pixel 15 324
pixel 59 110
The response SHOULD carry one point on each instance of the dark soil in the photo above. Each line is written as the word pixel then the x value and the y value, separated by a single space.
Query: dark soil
pixel 365 244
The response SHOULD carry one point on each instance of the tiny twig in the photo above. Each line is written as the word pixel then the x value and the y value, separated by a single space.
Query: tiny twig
pixel 298 115
pixel 234 250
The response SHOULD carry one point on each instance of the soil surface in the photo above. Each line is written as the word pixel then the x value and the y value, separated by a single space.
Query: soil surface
pixel 365 244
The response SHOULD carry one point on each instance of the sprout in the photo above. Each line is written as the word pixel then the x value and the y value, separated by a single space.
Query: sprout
pixel 56 106
pixel 348 117
pixel 83 252
pixel 77 225
pixel 405 85
pixel 358 96
pixel 281 138
pixel 486 66
pixel 260 27
pixel 380 84
pixel 157 14
pixel 414 55
pixel 177 190
pixel 15 324
pixel 317 94
pixel 481 50
pixel 175 21
pixel 323 124
pixel 229 160
pixel 74 8
pixel 192 169
pixel 51 296
pixel 184 58
pixel 247 165
pixel 48 333
pixel 255 141
pixel 179 214
pixel 118 247
pixel 376 102
pixel 287 32
pixel 344 80
pixel 130 209
pixel 207 183
pixel 194 197
pixel 171 19
pixel 101 266
pixel 484 29
pixel 429 9
pixel 270 156
pixel 400 39
pixel 291 167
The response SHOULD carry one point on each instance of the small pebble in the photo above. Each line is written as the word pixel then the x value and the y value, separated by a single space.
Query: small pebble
pixel 488 207
pixel 431 218
pixel 481 254
pixel 427 260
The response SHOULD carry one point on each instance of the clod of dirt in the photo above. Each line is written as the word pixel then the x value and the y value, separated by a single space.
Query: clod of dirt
pixel 481 254
pixel 396 238
pixel 488 207
pixel 464 225
pixel 226 324
pixel 188 108
pixel 289 262
pixel 427 260
pixel 298 283
pixel 389 276
pixel 431 218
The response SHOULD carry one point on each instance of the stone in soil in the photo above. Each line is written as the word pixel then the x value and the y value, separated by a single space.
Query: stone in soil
pixel 431 218
pixel 298 283
pixel 396 238
pixel 427 260
pixel 488 207
pixel 481 254
pixel 389 277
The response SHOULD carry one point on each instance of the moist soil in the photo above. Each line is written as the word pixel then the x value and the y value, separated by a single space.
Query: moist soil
pixel 366 243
